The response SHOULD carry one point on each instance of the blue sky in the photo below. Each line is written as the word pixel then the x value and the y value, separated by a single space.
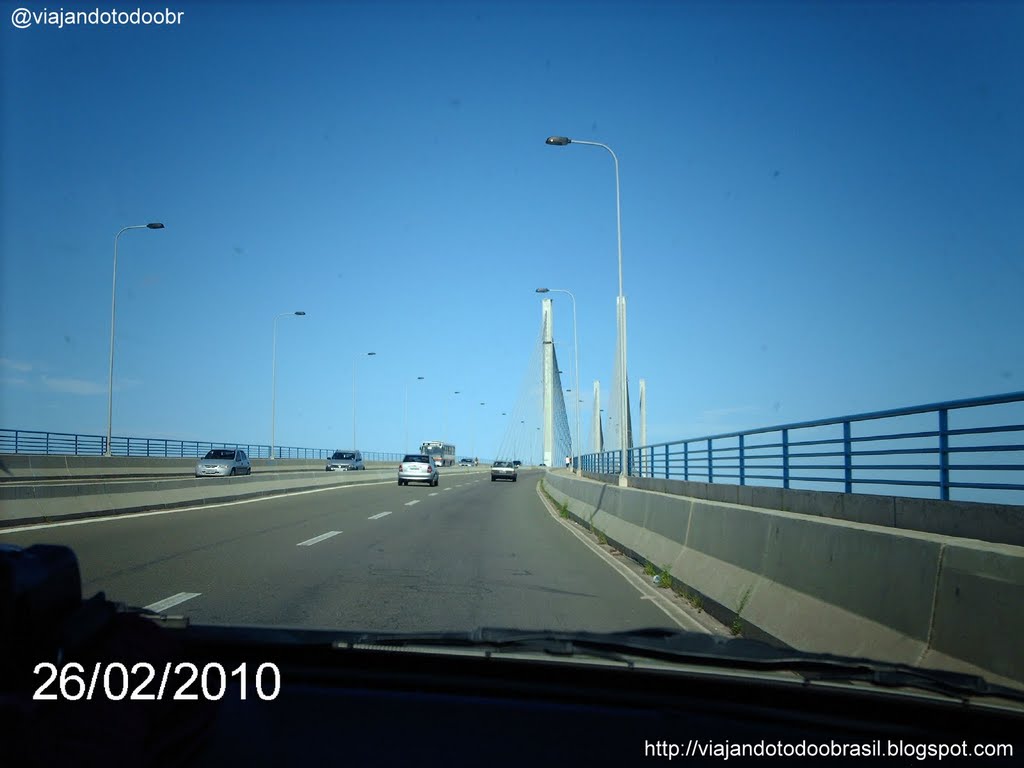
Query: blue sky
pixel 821 212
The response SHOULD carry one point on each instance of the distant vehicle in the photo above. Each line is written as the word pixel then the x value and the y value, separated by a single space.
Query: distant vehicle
pixel 343 461
pixel 443 454
pixel 503 470
pixel 221 462
pixel 517 463
pixel 465 462
pixel 418 468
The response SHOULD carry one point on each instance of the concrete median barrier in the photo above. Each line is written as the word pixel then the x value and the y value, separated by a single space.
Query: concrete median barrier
pixel 28 505
pixel 822 584
pixel 28 467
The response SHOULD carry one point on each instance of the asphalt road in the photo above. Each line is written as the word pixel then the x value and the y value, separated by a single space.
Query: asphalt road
pixel 379 557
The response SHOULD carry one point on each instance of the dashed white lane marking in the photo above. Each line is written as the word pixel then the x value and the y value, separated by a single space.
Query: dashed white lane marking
pixel 432 494
pixel 446 489
pixel 410 503
pixel 378 515
pixel 317 539
pixel 170 602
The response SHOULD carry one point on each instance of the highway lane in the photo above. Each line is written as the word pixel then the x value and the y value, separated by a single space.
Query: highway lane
pixel 367 557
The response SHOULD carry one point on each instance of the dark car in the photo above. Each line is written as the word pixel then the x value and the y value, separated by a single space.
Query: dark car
pixel 345 461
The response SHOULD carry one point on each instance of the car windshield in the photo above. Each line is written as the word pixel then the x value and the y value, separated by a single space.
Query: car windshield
pixel 757 270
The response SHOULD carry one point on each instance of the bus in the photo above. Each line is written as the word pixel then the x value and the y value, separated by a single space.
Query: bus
pixel 443 454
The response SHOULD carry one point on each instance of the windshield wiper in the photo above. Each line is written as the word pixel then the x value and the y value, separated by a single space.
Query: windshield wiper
pixel 699 648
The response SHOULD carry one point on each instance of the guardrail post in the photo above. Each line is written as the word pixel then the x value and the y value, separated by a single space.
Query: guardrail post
pixel 785 458
pixel 743 475
pixel 76 445
pixel 847 458
pixel 666 463
pixel 47 443
pixel 686 461
pixel 944 454
pixel 711 471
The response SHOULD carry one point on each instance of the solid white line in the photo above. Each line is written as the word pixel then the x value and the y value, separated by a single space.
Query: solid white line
pixel 378 515
pixel 317 539
pixel 647 591
pixel 410 503
pixel 170 602
pixel 131 515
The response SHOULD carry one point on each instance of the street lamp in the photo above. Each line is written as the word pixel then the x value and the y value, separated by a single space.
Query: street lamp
pixel 474 435
pixel 576 364
pixel 445 437
pixel 273 378
pixel 561 141
pixel 418 378
pixel 113 305
pixel 354 361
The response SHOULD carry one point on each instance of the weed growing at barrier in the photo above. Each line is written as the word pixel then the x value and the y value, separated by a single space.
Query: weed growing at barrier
pixel 737 626
pixel 694 599
pixel 666 578
pixel 649 569
pixel 601 538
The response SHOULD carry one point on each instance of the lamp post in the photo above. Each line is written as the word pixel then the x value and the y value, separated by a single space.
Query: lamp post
pixel 354 361
pixel 273 378
pixel 113 306
pixel 418 378
pixel 576 365
pixel 475 457
pixel 562 141
pixel 445 437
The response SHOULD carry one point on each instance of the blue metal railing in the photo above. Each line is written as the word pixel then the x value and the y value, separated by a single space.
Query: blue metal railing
pixel 69 444
pixel 854 453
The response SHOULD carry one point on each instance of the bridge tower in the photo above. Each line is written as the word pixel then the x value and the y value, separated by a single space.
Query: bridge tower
pixel 644 458
pixel 548 381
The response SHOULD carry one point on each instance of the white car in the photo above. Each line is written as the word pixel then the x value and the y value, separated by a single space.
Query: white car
pixel 418 468
pixel 503 470
pixel 222 462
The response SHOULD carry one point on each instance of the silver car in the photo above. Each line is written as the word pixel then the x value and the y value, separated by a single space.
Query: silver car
pixel 221 462
pixel 418 468
pixel 503 470
pixel 344 461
